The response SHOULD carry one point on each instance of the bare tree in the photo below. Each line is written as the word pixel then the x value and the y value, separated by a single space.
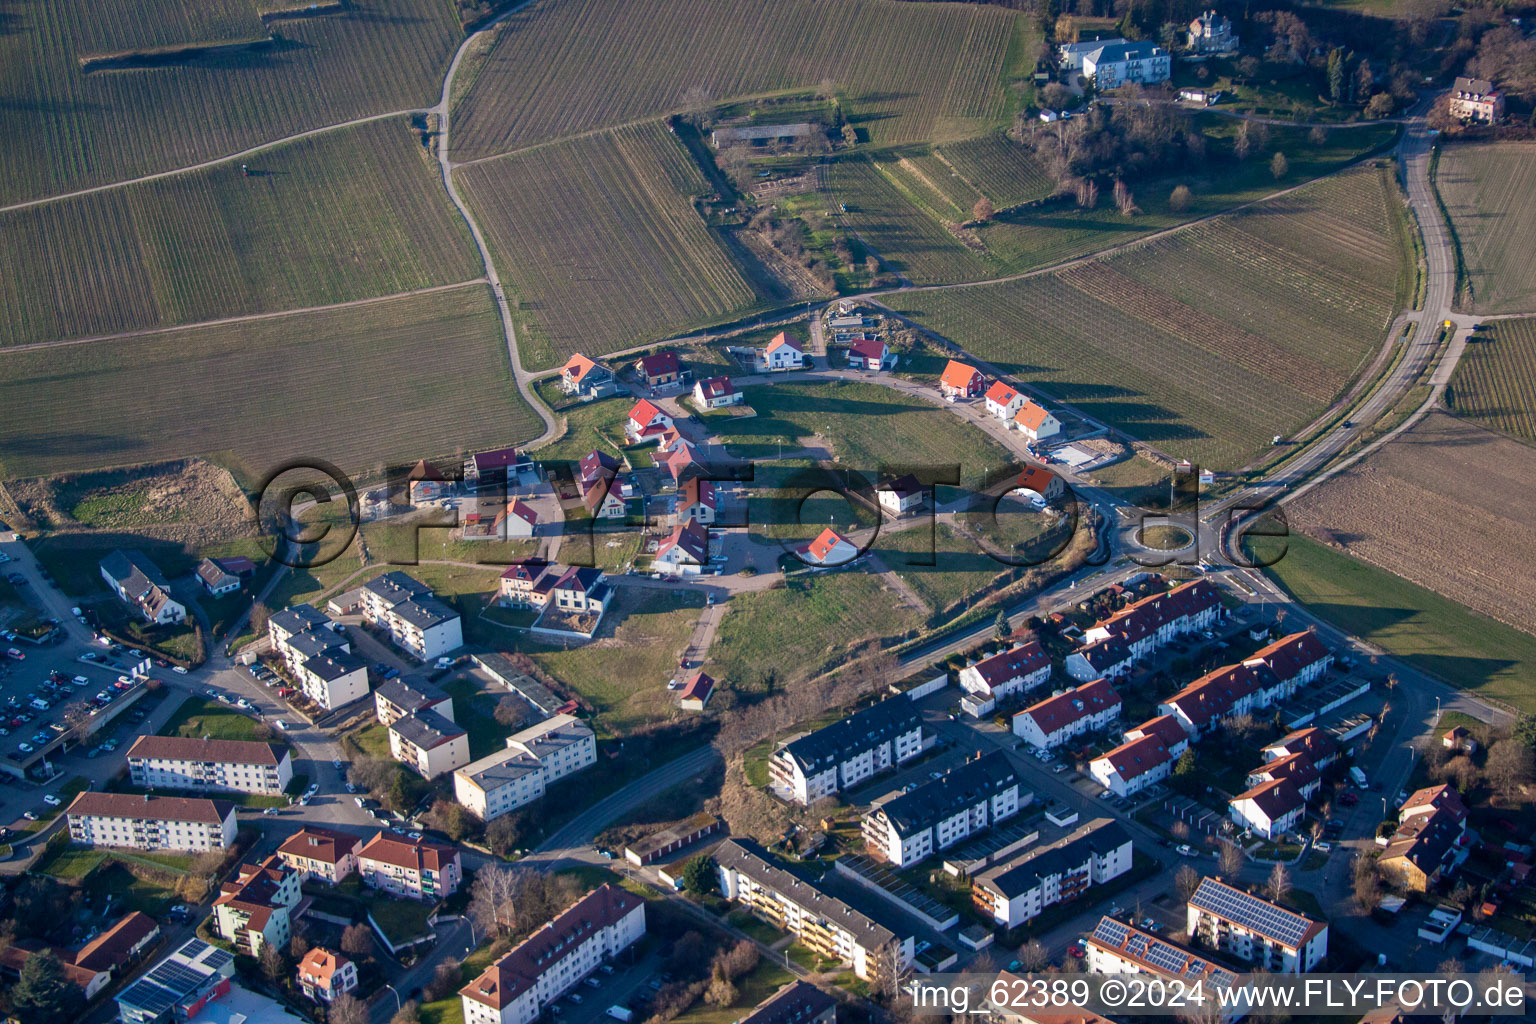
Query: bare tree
pixel 1279 166
pixel 1230 859
pixel 1033 956
pixel 273 965
pixel 511 712
pixel 348 1009
pixel 409 1013
pixel 1367 883
pixel 1180 198
pixel 1278 884
pixel 1186 880
pixel 357 940
pixel 445 980
pixel 492 898
pixel 696 104
pixel 1509 766
pixel 983 210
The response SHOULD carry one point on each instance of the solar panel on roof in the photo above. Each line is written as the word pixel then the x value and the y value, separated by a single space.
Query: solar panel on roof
pixel 219 958
pixel 1251 912
pixel 1110 931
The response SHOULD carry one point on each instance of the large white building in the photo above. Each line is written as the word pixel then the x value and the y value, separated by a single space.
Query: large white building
pixel 1019 890
pixel 822 922
pixel 1076 712
pixel 845 753
pixel 535 757
pixel 554 959
pixel 318 655
pixel 1117 64
pixel 404 607
pixel 416 868
pixel 1118 948
pixel 151 822
pixel 429 743
pixel 184 762
pixel 1256 931
pixel 938 814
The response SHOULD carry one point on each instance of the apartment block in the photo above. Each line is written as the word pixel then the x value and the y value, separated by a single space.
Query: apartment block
pixel 938 814
pixel 825 924
pixel 393 699
pixel 320 853
pixel 518 987
pixel 1118 948
pixel 415 868
pixel 255 908
pixel 151 822
pixel 850 750
pixel 416 621
pixel 429 743
pixel 318 655
pixel 535 758
pixel 1253 930
pixel 1019 890
pixel 235 766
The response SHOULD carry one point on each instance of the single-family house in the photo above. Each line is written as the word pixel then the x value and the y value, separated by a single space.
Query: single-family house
pixel 646 423
pixel 596 465
pixel 1003 401
pixel 215 580
pixel 901 495
pixel 961 380
pixel 829 548
pixel 603 497
pixel 870 354
pixel 684 551
pixel 782 353
pixel 696 501
pixel 1036 422
pixel 500 468
pixel 1132 767
pixel 1476 101
pixel 716 393
pixel 324 975
pixel 425 483
pixel 1460 739
pixel 1270 809
pixel 1211 33
pixel 1042 485
pixel 696 692
pixel 1014 671
pixel 660 369
pixel 586 378
pixel 138 582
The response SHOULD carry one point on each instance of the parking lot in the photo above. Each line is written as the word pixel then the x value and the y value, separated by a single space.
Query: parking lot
pixel 628 981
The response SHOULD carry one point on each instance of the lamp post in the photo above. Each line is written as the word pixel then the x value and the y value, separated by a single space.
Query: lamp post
pixel 398 1005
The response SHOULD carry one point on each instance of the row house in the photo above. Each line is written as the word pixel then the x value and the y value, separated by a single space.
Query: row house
pixel 1269 809
pixel 537 584
pixel 320 853
pixel 842 755
pixel 1151 622
pixel 139 583
pixel 1014 671
pixel 404 607
pixel 256 907
pixel 1226 692
pixel 1431 840
pixel 1132 766
pixel 1076 712
pixel 1320 748
pixel 1298 768
pixel 939 813
pixel 535 758
pixel 1109 658
pixel 822 922
pixel 1018 891
pixel 1268 936
pixel 531 976
pixel 185 762
pixel 172 823
pixel 1165 728
pixel 418 869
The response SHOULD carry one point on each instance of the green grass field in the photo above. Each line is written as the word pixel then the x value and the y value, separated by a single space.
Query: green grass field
pixel 782 636
pixel 1495 381
pixel 343 385
pixel 906 72
pixel 90 128
pixel 345 215
pixel 942 568
pixel 865 426
pixel 598 239
pixel 1487 190
pixel 1207 342
pixel 587 425
pixel 1432 633
pixel 198 718
pixel 473 711
pixel 909 240
pixel 624 672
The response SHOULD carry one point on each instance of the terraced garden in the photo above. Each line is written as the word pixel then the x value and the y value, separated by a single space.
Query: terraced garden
pixel 86 128
pixel 1495 382
pixel 1487 190
pixel 907 71
pixel 599 240
pixel 345 215
pixel 1208 341
pixel 342 385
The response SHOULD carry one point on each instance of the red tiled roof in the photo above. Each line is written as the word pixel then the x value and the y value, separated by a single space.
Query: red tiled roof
pixel 1291 655
pixel 959 375
pixel 1434 798
pixel 522 511
pixel 1066 708
pixel 644 413
pixel 1144 617
pixel 192 748
pixel 868 348
pixel 691 537
pixel 113 946
pixel 697 492
pixel 1165 728
pixel 781 339
pixel 576 367
pixel 424 470
pixel 1031 415
pixel 161 808
pixel 1297 767
pixel 412 854
pixel 518 970
pixel 1216 693
pixel 1275 798
pixel 822 546
pixel 717 387
pixel 1013 664
pixel 1037 479
pixel 322 844
pixel 660 363
pixel 1319 746
pixel 319 965
pixel 699 687
pixel 1001 393
pixel 1137 757
pixel 528 570
pixel 596 464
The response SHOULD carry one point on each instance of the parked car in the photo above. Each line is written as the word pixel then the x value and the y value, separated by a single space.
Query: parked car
pixel 1185 850
pixel 281 724
pixel 179 669
pixel 51 800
